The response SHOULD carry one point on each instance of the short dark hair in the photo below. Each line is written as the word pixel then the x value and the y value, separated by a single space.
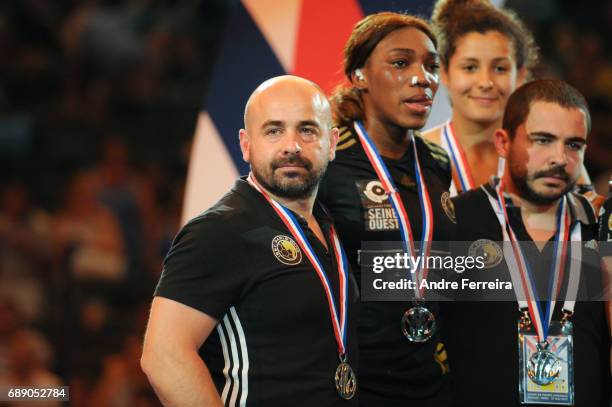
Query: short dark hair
pixel 542 90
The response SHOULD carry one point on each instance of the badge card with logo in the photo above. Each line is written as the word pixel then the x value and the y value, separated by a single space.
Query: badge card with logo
pixel 546 370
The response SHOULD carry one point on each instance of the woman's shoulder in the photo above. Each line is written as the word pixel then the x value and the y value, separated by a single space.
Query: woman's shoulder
pixel 434 149
pixel 347 137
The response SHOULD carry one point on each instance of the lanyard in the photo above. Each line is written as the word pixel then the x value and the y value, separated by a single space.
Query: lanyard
pixel 398 205
pixel 521 273
pixel 339 321
pixel 459 160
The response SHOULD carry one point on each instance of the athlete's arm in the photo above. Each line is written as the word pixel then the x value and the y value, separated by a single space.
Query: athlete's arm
pixel 170 355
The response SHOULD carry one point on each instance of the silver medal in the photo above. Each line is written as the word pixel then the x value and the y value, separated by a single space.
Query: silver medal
pixel 418 324
pixel 543 366
pixel 346 381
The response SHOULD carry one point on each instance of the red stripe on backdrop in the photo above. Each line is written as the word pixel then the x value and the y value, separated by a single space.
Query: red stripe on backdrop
pixel 324 27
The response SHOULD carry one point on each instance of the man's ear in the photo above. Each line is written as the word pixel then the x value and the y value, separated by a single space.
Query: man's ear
pixel 502 142
pixel 334 135
pixel 244 144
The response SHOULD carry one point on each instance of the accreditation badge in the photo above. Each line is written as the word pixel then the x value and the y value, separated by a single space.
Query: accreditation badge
pixel 546 369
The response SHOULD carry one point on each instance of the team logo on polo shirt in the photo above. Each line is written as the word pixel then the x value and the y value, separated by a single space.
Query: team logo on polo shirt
pixel 448 206
pixel 378 213
pixel 488 249
pixel 286 250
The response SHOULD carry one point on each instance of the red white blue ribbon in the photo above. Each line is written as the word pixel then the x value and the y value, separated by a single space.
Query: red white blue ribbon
pixel 520 266
pixel 459 161
pixel 457 155
pixel 339 321
pixel 398 205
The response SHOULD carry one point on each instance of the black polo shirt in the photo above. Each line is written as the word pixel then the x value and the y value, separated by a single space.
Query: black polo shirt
pixel 274 344
pixel 482 336
pixel 393 371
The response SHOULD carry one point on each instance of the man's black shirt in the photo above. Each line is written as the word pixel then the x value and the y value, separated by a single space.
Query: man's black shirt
pixel 482 336
pixel 274 344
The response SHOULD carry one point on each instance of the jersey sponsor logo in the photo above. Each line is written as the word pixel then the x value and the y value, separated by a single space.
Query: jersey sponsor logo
pixel 488 249
pixel 378 213
pixel 448 206
pixel 286 250
pixel 375 192
pixel 381 219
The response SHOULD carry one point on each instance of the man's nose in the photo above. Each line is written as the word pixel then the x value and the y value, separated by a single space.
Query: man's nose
pixel 559 154
pixel 291 143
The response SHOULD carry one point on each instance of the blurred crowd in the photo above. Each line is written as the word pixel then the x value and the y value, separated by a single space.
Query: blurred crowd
pixel 98 104
pixel 574 40
pixel 76 280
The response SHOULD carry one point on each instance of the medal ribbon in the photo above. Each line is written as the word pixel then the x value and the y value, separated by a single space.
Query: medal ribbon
pixel 459 160
pixel 457 155
pixel 400 211
pixel 338 323
pixel 524 284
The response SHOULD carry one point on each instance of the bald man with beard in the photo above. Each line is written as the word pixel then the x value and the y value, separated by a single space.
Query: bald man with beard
pixel 256 305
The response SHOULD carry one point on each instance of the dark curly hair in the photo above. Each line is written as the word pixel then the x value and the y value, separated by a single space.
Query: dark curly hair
pixel 452 19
